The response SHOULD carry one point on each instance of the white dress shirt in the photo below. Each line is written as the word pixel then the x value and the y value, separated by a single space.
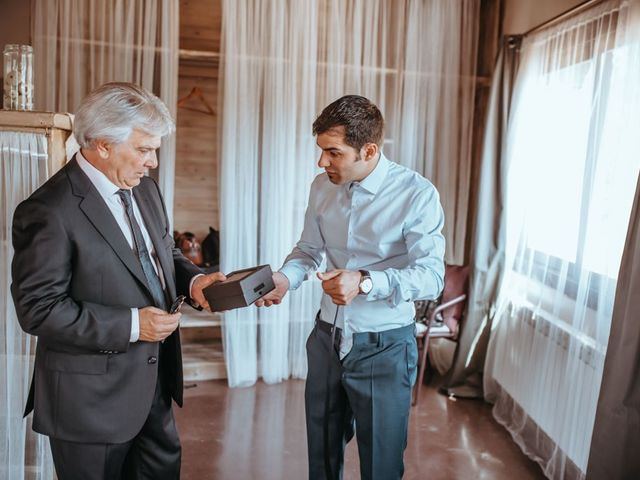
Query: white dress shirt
pixel 109 193
pixel 389 224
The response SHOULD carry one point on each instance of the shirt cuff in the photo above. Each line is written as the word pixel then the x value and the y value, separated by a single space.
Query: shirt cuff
pixel 193 280
pixel 381 287
pixel 135 325
pixel 292 275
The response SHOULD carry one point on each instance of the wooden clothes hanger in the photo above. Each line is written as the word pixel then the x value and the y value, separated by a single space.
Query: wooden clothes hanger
pixel 196 92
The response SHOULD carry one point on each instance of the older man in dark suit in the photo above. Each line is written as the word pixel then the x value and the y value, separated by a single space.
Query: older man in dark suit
pixel 94 273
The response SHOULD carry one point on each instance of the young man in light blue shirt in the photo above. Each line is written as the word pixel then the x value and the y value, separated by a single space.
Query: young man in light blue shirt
pixel 379 225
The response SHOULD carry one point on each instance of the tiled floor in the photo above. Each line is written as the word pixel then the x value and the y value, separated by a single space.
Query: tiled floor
pixel 259 433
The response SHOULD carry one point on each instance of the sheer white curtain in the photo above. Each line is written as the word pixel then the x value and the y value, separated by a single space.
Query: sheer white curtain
pixel 282 63
pixel 573 152
pixel 416 60
pixel 81 44
pixel 23 453
pixel 267 168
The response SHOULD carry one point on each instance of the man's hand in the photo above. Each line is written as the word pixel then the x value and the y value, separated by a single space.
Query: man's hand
pixel 156 324
pixel 203 282
pixel 274 297
pixel 341 285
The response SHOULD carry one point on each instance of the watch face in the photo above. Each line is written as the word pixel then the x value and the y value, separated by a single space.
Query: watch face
pixel 366 285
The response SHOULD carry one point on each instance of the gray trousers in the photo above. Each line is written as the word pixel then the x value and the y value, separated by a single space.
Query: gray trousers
pixel 370 389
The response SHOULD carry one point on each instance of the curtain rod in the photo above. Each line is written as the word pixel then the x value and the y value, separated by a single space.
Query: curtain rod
pixel 564 15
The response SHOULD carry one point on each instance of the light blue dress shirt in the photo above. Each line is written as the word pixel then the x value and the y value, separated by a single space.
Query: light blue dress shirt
pixel 390 224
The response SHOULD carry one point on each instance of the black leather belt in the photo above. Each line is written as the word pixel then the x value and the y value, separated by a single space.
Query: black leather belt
pixel 366 337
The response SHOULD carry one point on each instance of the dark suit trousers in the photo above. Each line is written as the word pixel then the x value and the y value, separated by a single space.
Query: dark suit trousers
pixel 370 389
pixel 153 454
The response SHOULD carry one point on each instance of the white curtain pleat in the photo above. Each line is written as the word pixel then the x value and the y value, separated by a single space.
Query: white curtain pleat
pixel 264 183
pixel 282 62
pixel 573 164
pixel 23 453
pixel 81 44
pixel 239 186
pixel 168 91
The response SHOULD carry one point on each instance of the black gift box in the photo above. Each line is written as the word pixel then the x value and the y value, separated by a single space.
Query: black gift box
pixel 240 289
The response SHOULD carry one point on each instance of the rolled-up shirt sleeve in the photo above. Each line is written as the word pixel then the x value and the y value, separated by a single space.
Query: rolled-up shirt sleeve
pixel 423 278
pixel 308 254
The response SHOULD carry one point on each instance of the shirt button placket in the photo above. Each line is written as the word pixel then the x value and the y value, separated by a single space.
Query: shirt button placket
pixel 350 261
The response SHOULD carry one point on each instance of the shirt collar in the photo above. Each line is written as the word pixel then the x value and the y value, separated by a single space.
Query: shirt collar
pixel 373 181
pixel 105 187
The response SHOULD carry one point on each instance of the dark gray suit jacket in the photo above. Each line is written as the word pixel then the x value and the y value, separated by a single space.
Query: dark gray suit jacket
pixel 75 279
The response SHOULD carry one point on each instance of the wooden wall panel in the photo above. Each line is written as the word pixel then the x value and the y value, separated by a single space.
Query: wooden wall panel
pixel 197 162
pixel 200 24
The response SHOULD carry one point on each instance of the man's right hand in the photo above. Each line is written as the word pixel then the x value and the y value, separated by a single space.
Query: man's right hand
pixel 274 297
pixel 156 324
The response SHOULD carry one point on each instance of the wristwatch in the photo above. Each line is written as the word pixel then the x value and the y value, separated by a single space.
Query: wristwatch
pixel 366 284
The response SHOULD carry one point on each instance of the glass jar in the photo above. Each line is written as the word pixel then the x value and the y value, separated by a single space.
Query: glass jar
pixel 18 77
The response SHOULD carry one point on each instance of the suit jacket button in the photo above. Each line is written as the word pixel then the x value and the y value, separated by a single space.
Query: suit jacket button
pixel 152 360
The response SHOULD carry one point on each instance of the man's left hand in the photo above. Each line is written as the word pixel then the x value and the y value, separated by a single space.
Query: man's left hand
pixel 203 282
pixel 341 285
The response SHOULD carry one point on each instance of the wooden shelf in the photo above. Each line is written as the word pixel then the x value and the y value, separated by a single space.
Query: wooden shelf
pixel 29 119
pixel 198 55
pixel 202 352
pixel 192 318
pixel 55 126
pixel 203 360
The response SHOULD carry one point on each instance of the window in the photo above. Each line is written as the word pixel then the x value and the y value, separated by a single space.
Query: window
pixel 573 171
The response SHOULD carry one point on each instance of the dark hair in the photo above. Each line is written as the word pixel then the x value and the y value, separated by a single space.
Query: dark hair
pixel 361 119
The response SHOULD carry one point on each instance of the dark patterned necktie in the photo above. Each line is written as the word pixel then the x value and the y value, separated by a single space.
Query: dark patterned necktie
pixel 153 281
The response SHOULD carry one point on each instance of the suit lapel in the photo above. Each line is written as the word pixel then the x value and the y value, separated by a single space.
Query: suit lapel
pixel 154 226
pixel 98 213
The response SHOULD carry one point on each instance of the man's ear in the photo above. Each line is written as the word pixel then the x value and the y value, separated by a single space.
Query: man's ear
pixel 369 151
pixel 103 148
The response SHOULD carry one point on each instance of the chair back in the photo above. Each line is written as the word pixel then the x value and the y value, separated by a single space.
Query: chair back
pixel 456 283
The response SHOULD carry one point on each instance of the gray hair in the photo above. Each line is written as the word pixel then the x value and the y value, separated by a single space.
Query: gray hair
pixel 111 112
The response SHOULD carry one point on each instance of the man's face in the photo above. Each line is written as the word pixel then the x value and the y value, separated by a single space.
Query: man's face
pixel 129 161
pixel 342 162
